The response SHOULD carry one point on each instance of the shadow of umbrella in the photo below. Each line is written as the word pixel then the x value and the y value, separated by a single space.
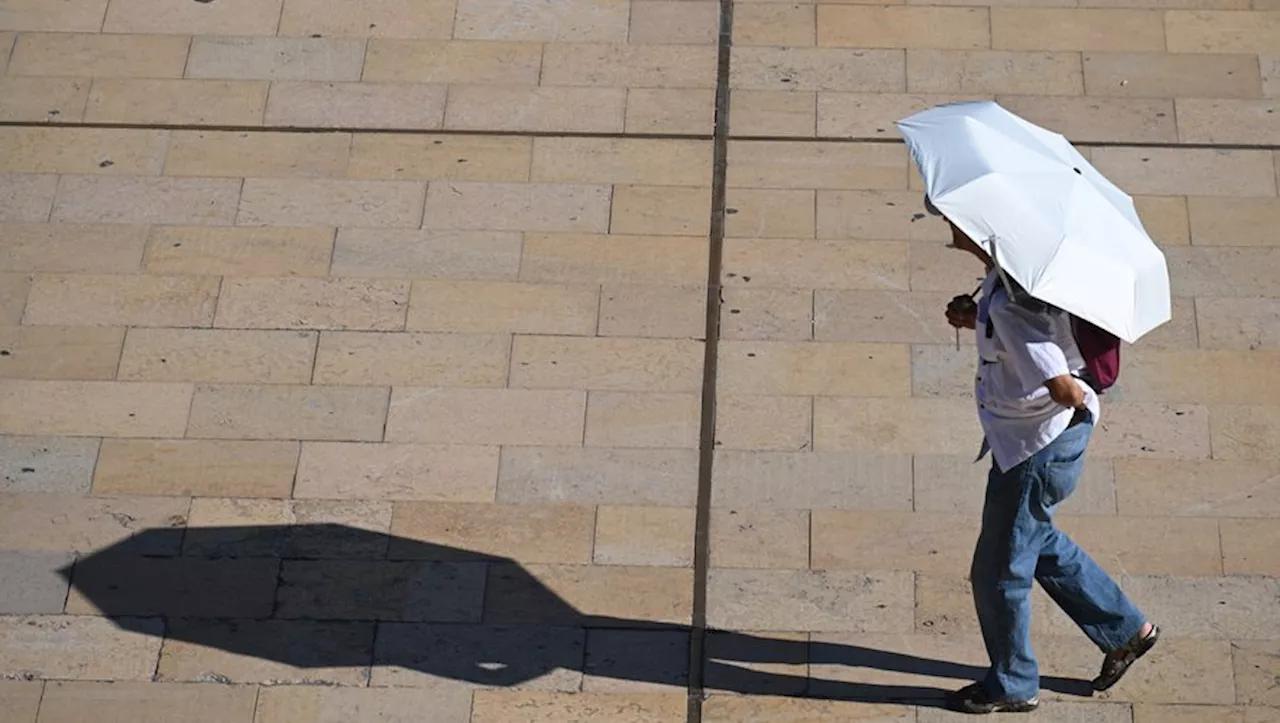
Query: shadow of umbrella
pixel 325 597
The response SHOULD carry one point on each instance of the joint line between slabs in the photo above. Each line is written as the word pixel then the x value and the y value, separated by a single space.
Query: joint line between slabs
pixel 711 344
pixel 716 137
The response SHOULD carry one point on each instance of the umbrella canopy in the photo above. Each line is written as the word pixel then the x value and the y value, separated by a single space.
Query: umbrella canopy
pixel 1054 224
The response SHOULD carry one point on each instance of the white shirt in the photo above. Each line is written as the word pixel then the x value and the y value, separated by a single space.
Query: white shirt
pixel 1024 350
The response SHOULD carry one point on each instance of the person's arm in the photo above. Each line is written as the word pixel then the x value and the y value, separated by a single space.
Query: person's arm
pixel 1065 391
pixel 1034 355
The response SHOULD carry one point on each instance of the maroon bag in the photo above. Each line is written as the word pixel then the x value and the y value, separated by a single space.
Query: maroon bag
pixel 1101 352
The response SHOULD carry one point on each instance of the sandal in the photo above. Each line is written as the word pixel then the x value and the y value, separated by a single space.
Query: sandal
pixel 1117 662
pixel 974 699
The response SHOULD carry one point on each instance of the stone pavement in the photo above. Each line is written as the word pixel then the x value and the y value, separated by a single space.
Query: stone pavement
pixel 352 358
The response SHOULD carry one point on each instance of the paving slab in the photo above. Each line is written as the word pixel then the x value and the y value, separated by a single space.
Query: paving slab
pixel 369 339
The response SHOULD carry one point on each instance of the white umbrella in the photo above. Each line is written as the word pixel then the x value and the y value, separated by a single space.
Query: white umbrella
pixel 1052 222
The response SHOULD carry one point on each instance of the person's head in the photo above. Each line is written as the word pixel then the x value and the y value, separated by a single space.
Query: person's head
pixel 959 239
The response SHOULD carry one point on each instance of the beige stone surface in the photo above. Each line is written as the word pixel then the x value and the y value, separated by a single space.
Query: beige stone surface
pixel 27 197
pixel 147 702
pixel 795 164
pixel 661 210
pixel 314 704
pixel 797 368
pixel 1083 119
pixel 857 26
pixel 21 700
pixel 440 157
pixel 500 706
pixel 486 416
pixel 377 18
pixel 760 538
pixel 613 258
pixel 1024 28
pixel 411 253
pixel 14 289
pixel 93 408
pixel 233 17
pixel 766 314
pixel 198 102
pixel 316 104
pixel 453 473
pixel 810 264
pixel 186 662
pixel 1247 547
pixel 885 425
pixel 47 464
pixel 121 299
pixel 304 303
pixel 805 480
pixel 42 100
pixel 490 338
pixel 1166 75
pixel 277 202
pixel 1223 32
pixel 68 16
pixel 668 110
pixel 524 533
pixel 638 419
pixel 237 251
pixel 45 522
pixel 1244 432
pixel 452 61
pixel 994 71
pixel 277 411
pixel 1227 121
pixel 60 352
pixel 758 709
pixel 74 647
pixel 825 600
pixel 652 311
pixel 603 364
pixel 274 155
pixel 551 207
pixel 777 423
pixel 1255 668
pixel 540 109
pixel 644 594
pixel 633 535
pixel 674 23
pixel 508 307
pixel 229 356
pixel 1232 221
pixel 82 151
pixel 773 112
pixel 449 360
pixel 818 69
pixel 109 55
pixel 103 199
pixel 70 247
pixel 578 21
pixel 924 542
pixel 196 468
pixel 276 58
pixel 594 475
pixel 1202 172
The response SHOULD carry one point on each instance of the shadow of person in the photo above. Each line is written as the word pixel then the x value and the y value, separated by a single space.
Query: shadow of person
pixel 319 597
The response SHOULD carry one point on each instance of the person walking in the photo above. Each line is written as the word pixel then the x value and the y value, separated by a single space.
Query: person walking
pixel 1037 416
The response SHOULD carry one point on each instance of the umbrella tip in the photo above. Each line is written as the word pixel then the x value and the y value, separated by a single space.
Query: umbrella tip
pixel 930 208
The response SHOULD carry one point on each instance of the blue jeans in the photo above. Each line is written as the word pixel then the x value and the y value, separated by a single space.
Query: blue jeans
pixel 1018 544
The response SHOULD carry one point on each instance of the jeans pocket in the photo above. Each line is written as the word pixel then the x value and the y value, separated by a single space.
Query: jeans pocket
pixel 1059 480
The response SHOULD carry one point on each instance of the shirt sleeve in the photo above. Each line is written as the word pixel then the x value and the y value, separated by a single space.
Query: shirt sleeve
pixel 1034 355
